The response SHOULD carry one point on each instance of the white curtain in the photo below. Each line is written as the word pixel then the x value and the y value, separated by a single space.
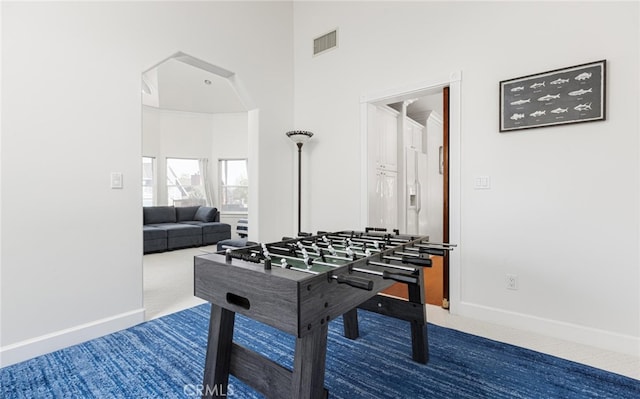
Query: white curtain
pixel 206 180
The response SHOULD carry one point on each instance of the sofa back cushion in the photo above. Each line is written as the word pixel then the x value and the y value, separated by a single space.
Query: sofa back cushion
pixel 206 214
pixel 159 214
pixel 186 213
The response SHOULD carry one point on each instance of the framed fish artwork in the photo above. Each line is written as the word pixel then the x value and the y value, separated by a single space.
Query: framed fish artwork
pixel 568 95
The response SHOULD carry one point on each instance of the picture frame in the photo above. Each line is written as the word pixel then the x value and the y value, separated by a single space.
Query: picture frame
pixel 559 97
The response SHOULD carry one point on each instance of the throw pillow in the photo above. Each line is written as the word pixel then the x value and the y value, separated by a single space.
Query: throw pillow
pixel 206 214
pixel 186 213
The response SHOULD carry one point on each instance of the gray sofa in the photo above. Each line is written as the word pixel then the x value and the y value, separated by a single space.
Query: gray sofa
pixel 166 228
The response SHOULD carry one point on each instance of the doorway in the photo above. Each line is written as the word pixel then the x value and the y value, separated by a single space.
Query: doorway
pixel 397 170
pixel 197 122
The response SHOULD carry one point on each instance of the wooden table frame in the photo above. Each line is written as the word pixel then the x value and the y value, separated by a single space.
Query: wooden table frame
pixel 226 357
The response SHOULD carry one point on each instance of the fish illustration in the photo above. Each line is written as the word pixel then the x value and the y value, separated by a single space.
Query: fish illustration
pixel 538 113
pixel 520 88
pixel 548 97
pixel 580 92
pixel 559 81
pixel 536 85
pixel 515 117
pixel 583 76
pixel 582 107
pixel 559 110
pixel 520 102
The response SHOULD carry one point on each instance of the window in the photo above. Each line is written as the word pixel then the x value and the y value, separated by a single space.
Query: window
pixel 185 184
pixel 234 185
pixel 148 181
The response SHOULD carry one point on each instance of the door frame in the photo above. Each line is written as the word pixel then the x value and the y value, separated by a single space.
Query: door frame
pixel 390 95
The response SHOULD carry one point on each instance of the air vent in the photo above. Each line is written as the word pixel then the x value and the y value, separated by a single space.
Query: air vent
pixel 325 42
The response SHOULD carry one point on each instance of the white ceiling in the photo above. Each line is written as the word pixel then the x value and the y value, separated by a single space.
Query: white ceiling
pixel 422 107
pixel 176 85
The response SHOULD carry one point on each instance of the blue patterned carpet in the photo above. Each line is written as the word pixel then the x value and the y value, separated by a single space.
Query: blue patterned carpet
pixel 164 358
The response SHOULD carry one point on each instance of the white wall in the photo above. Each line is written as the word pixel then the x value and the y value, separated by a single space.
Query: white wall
pixel 563 209
pixel 178 134
pixel 71 90
pixel 230 131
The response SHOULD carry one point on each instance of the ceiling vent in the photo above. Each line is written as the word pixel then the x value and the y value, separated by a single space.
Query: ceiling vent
pixel 325 42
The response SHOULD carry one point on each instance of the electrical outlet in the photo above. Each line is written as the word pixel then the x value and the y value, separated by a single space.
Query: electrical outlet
pixel 482 183
pixel 512 282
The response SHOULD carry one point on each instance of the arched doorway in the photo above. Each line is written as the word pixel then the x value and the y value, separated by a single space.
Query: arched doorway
pixel 198 122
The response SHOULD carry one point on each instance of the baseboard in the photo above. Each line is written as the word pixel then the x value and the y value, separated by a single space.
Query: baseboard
pixel 30 348
pixel 598 338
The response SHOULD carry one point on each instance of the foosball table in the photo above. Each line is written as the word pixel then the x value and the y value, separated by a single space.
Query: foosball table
pixel 298 286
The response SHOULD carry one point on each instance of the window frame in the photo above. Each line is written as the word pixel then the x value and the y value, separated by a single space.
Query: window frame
pixel 170 200
pixel 154 181
pixel 222 186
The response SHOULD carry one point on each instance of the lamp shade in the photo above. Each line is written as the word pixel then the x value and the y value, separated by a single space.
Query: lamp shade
pixel 299 136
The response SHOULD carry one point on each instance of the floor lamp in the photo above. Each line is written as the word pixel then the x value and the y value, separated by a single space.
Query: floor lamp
pixel 299 137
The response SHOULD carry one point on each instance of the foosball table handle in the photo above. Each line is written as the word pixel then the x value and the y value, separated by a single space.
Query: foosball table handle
pixel 433 251
pixel 404 278
pixel 417 261
pixel 354 281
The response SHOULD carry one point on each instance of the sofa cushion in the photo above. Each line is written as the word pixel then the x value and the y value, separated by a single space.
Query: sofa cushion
pixel 186 213
pixel 179 230
pixel 155 239
pixel 153 233
pixel 206 214
pixel 208 226
pixel 184 242
pixel 159 214
pixel 155 245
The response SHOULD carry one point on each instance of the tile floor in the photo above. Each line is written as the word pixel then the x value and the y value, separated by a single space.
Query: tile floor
pixel 624 364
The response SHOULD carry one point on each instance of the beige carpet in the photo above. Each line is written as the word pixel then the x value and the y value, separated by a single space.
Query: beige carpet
pixel 168 281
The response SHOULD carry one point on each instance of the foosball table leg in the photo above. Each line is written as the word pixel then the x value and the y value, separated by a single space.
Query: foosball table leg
pixel 419 344
pixel 419 336
pixel 218 357
pixel 350 321
pixel 309 364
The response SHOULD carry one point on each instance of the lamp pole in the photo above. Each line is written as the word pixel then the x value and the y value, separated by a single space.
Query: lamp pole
pixel 299 137
pixel 299 186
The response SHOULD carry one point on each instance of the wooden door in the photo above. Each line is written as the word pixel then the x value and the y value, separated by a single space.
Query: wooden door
pixel 445 191
pixel 432 284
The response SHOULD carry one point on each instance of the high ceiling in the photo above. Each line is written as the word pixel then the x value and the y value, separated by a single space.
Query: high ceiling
pixel 177 85
pixel 184 83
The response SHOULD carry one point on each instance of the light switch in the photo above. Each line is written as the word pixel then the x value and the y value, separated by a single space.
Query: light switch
pixel 116 180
